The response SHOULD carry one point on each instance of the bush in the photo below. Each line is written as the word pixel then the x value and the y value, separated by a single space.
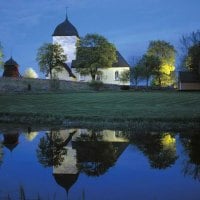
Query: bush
pixel 96 85
pixel 125 87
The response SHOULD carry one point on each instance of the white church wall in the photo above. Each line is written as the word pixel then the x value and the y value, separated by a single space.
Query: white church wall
pixel 109 75
pixel 105 135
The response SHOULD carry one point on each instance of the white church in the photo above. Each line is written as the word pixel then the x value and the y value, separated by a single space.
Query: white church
pixel 67 36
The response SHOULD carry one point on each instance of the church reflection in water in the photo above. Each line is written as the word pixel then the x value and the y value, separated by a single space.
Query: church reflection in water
pixel 80 150
pixel 71 152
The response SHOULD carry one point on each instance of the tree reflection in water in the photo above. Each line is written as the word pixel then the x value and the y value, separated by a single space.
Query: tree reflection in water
pixel 50 150
pixel 160 149
pixel 96 156
pixel 1 153
pixel 191 143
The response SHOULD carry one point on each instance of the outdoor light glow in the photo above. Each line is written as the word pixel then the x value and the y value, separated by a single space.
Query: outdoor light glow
pixel 167 69
pixel 168 141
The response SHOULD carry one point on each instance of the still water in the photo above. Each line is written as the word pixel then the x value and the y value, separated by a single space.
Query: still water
pixel 79 164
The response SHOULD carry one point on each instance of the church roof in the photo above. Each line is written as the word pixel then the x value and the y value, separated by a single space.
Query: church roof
pixel 65 29
pixel 121 62
pixel 69 70
pixel 11 61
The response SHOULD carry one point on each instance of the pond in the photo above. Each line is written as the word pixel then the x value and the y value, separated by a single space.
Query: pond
pixel 82 164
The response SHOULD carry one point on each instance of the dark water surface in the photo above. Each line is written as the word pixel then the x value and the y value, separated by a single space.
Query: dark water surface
pixel 86 164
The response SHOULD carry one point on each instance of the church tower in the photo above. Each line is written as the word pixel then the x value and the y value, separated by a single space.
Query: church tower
pixel 67 36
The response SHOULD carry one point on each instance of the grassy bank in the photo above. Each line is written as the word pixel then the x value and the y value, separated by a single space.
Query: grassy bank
pixel 102 107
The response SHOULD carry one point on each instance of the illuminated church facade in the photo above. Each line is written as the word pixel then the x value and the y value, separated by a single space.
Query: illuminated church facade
pixel 67 36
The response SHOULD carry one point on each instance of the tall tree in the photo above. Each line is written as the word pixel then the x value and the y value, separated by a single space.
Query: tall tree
pixel 51 58
pixel 193 58
pixel 148 64
pixel 166 53
pixel 94 52
pixel 186 42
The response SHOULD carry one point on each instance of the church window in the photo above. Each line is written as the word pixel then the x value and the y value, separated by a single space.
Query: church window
pixel 99 77
pixel 116 75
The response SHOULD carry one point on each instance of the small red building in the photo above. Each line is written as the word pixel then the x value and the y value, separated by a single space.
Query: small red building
pixel 11 69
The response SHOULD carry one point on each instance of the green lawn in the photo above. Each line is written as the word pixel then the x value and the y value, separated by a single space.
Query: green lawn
pixel 177 106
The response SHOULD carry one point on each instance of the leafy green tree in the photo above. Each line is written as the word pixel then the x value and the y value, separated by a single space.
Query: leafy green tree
pixel 148 64
pixel 164 73
pixel 193 58
pixel 1 56
pixel 51 58
pixel 94 52
pixel 125 76
pixel 186 42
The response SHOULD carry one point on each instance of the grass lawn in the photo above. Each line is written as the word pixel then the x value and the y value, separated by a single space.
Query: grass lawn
pixel 116 106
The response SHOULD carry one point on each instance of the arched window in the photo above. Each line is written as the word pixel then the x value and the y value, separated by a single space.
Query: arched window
pixel 116 75
pixel 99 77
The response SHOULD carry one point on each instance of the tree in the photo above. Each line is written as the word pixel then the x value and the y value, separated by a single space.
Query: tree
pixel 164 74
pixel 51 151
pixel 148 65
pixel 187 41
pixel 160 149
pixel 94 52
pixel 95 156
pixel 193 58
pixel 30 73
pixel 136 73
pixel 125 76
pixel 1 56
pixel 51 58
pixel 191 144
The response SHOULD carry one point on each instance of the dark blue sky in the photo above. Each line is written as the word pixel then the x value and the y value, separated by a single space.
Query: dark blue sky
pixel 130 24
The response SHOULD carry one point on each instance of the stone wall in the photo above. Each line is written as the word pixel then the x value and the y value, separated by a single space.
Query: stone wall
pixel 44 85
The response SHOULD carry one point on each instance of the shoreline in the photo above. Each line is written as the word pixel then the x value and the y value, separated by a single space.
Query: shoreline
pixel 142 125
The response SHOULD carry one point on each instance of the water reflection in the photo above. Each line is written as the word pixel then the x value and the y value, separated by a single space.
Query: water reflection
pixel 98 151
pixel 191 143
pixel 159 148
pixel 69 154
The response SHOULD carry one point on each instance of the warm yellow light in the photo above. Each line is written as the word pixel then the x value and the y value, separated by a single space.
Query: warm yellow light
pixel 168 141
pixel 31 136
pixel 167 69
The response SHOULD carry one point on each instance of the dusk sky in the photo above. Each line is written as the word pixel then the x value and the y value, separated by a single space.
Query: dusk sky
pixel 130 24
